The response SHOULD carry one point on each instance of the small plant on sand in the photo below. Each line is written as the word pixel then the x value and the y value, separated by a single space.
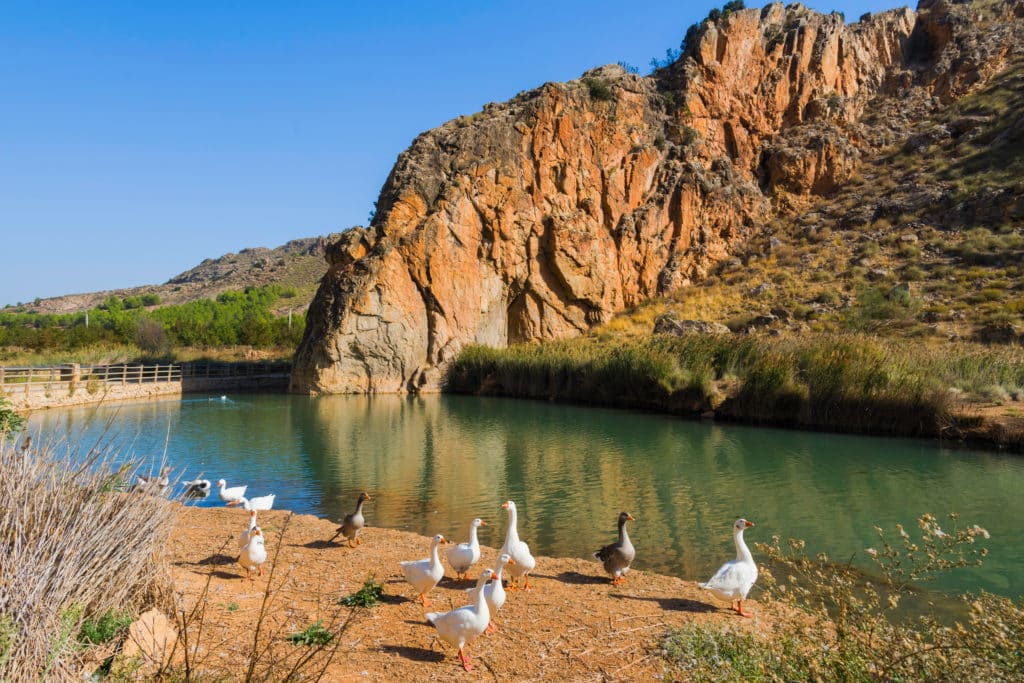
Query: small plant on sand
pixel 315 634
pixel 368 596
pixel 103 628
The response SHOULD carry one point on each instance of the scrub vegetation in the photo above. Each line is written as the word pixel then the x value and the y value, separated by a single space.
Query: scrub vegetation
pixel 847 381
pixel 132 329
pixel 849 627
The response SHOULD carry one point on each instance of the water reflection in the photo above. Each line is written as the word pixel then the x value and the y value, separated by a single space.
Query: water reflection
pixel 434 463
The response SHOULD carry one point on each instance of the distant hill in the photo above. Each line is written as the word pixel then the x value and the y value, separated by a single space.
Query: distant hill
pixel 298 264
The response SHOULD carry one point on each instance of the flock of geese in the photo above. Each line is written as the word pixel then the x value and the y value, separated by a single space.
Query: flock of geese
pixel 459 627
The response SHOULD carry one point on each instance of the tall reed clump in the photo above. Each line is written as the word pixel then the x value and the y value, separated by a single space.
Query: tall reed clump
pixel 72 548
pixel 844 382
pixel 842 625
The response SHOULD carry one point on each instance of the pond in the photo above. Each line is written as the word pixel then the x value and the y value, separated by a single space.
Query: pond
pixel 433 463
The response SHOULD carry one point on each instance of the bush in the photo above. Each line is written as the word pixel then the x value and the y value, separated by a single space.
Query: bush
pixel 151 337
pixel 599 89
pixel 10 421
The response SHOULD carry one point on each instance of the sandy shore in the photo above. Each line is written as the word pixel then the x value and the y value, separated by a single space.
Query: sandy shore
pixel 573 624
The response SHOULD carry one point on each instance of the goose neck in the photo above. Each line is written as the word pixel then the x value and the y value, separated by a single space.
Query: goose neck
pixel 512 536
pixel 742 551
pixel 473 542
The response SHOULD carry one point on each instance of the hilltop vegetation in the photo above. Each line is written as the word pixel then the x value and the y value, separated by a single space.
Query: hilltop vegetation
pixel 234 318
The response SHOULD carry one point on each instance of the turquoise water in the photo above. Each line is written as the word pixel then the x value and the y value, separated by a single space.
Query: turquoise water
pixel 434 463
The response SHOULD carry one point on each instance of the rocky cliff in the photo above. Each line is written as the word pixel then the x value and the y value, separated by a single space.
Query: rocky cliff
pixel 540 217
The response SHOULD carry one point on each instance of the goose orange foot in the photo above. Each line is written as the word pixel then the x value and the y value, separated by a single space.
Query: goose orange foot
pixel 422 597
pixel 739 610
pixel 491 628
pixel 464 658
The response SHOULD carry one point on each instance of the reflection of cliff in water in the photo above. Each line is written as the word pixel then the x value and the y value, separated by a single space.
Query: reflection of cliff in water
pixel 433 463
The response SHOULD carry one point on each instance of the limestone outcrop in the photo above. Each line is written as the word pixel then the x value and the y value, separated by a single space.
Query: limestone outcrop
pixel 540 217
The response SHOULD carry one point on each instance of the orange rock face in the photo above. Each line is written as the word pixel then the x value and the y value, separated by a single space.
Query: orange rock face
pixel 540 217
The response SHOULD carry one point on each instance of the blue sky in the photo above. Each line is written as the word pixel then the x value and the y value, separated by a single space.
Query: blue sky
pixel 138 138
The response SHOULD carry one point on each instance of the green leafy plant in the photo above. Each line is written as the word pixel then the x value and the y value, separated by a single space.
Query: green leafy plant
pixel 368 596
pixel 315 634
pixel 10 421
pixel 104 628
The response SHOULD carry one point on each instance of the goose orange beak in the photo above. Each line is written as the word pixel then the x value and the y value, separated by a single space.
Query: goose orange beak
pixel 505 505
pixel 630 518
pixel 510 561
pixel 748 524
pixel 483 523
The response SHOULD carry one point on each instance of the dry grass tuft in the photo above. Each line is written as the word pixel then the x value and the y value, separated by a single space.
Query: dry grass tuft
pixel 73 546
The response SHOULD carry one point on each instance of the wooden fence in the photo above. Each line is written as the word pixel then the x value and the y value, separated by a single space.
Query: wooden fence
pixel 54 378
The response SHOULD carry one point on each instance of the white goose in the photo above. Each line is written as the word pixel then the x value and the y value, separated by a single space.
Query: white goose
pixel 230 495
pixel 260 503
pixel 424 574
pixel 254 554
pixel 243 538
pixel 494 592
pixel 518 551
pixel 461 626
pixel 464 555
pixel 735 578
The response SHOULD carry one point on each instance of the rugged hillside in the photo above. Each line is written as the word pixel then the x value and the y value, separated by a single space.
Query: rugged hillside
pixel 541 217
pixel 298 264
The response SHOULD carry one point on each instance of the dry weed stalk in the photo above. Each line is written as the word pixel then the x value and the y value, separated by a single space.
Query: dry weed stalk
pixel 72 545
pixel 264 652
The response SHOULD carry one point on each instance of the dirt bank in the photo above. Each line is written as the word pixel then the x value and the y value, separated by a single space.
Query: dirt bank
pixel 573 624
